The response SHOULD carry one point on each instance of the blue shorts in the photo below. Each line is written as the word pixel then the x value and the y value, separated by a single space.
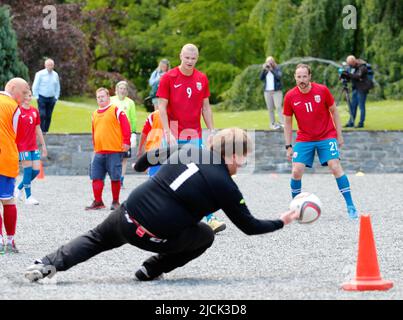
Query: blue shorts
pixel 30 155
pixel 152 171
pixel 110 163
pixel 304 152
pixel 195 142
pixel 7 186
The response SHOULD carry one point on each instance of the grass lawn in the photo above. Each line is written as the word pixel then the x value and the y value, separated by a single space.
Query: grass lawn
pixel 74 116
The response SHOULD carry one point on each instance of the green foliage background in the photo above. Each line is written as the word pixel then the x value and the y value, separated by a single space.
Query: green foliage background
pixel 126 39
pixel 10 64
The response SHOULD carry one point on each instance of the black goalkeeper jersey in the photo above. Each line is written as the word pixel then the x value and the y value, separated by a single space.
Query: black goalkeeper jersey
pixel 190 184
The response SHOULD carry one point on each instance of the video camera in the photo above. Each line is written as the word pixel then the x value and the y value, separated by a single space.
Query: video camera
pixel 344 72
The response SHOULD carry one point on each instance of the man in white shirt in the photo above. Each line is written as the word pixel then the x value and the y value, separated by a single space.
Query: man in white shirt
pixel 46 89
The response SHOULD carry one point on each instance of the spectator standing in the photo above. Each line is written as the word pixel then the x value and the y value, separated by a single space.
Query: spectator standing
pixel 46 89
pixel 154 80
pixel 361 85
pixel 272 91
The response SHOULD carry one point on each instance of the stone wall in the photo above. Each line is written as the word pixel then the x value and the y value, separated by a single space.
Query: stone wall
pixel 367 151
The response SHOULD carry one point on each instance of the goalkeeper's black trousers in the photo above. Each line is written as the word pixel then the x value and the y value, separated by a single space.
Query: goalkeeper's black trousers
pixel 116 230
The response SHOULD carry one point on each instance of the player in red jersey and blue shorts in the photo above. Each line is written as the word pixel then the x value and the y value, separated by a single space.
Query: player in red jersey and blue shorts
pixel 28 131
pixel 319 130
pixel 183 97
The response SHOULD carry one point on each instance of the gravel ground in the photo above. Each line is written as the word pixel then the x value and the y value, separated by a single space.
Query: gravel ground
pixel 299 262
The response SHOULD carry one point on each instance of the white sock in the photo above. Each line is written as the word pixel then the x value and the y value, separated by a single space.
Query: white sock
pixel 10 239
pixel 1 238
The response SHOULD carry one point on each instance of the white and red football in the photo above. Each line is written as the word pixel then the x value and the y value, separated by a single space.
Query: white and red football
pixel 309 206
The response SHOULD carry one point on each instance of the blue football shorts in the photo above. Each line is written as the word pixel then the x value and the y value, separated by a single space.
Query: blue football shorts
pixel 304 152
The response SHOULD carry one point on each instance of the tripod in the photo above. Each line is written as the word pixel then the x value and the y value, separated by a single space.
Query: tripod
pixel 345 93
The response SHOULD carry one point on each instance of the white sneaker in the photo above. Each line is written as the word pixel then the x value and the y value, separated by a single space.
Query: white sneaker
pixel 32 201
pixel 18 194
pixel 38 271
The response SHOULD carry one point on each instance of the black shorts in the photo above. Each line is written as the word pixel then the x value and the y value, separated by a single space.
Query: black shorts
pixel 128 154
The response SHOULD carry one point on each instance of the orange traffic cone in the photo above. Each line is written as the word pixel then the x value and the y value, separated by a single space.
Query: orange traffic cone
pixel 368 276
pixel 41 174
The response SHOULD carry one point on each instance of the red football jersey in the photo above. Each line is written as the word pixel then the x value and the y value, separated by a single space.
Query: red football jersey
pixel 185 95
pixel 26 130
pixel 311 111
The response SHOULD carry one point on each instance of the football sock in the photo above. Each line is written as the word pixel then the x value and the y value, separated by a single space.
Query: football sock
pixel 1 228
pixel 344 187
pixel 34 174
pixel 296 186
pixel 97 188
pixel 10 218
pixel 10 239
pixel 26 181
pixel 115 186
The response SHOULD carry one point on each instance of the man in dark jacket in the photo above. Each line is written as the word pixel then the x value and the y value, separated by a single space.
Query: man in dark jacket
pixel 163 215
pixel 361 85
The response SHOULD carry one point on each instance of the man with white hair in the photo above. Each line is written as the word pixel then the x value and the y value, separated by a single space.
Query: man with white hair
pixel 361 84
pixel 46 89
pixel 15 91
pixel 183 95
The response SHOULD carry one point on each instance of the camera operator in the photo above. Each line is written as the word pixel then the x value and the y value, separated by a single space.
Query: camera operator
pixel 361 85
pixel 273 95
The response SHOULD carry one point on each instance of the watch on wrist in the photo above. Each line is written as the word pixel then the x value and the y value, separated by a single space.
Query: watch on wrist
pixel 288 146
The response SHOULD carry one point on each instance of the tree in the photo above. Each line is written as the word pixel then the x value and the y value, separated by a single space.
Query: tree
pixel 222 32
pixel 382 25
pixel 10 63
pixel 66 44
pixel 114 31
pixel 276 20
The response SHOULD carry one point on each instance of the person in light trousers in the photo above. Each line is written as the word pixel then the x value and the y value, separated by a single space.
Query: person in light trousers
pixel 272 90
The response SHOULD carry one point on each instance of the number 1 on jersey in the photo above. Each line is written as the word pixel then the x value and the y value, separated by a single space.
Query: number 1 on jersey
pixel 181 179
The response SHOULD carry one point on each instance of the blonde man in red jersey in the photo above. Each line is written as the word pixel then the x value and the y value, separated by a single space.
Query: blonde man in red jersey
pixel 16 89
pixel 183 98
pixel 111 138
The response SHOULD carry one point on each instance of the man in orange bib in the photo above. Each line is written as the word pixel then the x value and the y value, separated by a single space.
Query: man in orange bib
pixel 15 91
pixel 111 138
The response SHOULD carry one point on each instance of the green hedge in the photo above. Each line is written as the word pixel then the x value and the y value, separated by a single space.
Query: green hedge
pixel 246 92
